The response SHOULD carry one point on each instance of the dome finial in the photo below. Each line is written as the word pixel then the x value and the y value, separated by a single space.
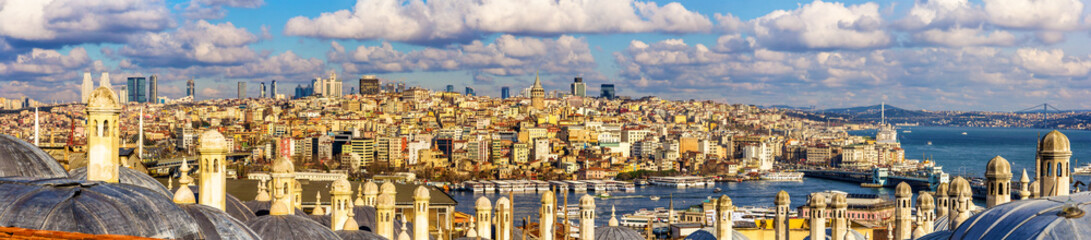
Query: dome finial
pixel 263 192
pixel 318 205
pixel 405 233
pixel 185 180
pixel 613 217
pixel 472 233
pixel 184 195
pixel 350 223
pixel 170 182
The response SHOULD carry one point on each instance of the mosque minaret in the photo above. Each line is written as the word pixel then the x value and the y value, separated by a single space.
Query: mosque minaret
pixel 783 204
pixel 103 135
pixel 839 220
pixel 546 218
pixel 213 179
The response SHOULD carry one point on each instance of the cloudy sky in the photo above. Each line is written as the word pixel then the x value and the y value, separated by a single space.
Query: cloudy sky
pixel 1001 55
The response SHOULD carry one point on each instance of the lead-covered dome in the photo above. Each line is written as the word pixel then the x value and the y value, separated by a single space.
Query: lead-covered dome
pixel 20 159
pixel 1059 217
pixel 705 234
pixel 127 176
pixel 849 235
pixel 216 224
pixel 236 208
pixel 287 227
pixel 616 233
pixel 94 208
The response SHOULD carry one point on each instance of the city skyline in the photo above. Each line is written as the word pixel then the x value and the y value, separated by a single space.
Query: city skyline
pixel 996 55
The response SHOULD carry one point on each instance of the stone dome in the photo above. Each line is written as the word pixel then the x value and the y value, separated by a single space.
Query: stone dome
pixel 616 233
pixel 359 235
pixel 724 201
pixel 283 165
pixel 839 200
pixel 102 98
pixel 1054 142
pixel 783 198
pixel 903 190
pixel 385 200
pixel 127 176
pixel 706 234
pixel 1058 217
pixel 483 202
pixel 960 188
pixel 371 188
pixel 502 204
pixel 549 197
pixel 999 168
pixel 925 201
pixel 422 193
pixel 817 200
pixel 20 159
pixel 586 200
pixel 94 208
pixel 215 224
pixel 388 187
pixel 212 140
pixel 341 186
pixel 288 227
pixel 942 189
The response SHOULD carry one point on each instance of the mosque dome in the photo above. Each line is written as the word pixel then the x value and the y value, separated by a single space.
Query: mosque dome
pixel 371 188
pixel 20 159
pixel 903 190
pixel 586 200
pixel 127 176
pixel 1058 217
pixel 1054 142
pixel 365 217
pixel 998 167
pixel 839 201
pixel 234 207
pixel 926 201
pixel 102 97
pixel 937 235
pixel 783 198
pixel 850 235
pixel 616 233
pixel 212 140
pixel 359 235
pixel 706 234
pixel 724 201
pixel 342 186
pixel 941 190
pixel 215 224
pixel 261 208
pixel 277 227
pixel 817 201
pixel 93 207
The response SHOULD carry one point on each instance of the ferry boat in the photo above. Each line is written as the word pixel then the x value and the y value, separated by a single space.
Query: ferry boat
pixel 1082 170
pixel 963 133
pixel 782 176
pixel 654 198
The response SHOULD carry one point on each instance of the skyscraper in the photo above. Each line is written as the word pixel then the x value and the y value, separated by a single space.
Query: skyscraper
pixel 153 88
pixel 330 87
pixel 579 88
pixel 135 86
pixel 262 95
pixel 450 88
pixel 608 91
pixel 242 90
pixel 505 92
pixel 369 84
pixel 86 87
pixel 470 91
pixel 189 88
pixel 273 89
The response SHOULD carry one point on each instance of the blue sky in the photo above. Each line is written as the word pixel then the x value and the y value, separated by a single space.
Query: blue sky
pixel 999 55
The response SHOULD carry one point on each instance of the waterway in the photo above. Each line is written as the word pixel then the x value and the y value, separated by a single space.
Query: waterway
pixel 957 153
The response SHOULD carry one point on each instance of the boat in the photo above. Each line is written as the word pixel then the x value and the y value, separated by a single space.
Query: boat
pixel 929 142
pixel 654 198
pixel 871 185
pixel 717 190
pixel 1082 170
pixel 963 133
pixel 907 131
pixel 603 195
pixel 782 176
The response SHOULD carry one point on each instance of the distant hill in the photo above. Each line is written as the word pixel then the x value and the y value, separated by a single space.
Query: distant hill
pixel 874 112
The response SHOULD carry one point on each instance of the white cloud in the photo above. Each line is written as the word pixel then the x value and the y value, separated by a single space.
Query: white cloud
pixel 62 22
pixel 961 37
pixel 198 43
pixel 214 9
pixel 1052 63
pixel 443 21
pixel 822 25
pixel 1035 14
pixel 43 62
pixel 942 14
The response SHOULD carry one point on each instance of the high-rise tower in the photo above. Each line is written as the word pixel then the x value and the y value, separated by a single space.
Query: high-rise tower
pixel 273 89
pixel 537 94
pixel 153 89
pixel 369 85
pixel 242 90
pixel 136 87
pixel 190 91
pixel 262 94
pixel 579 88
pixel 86 87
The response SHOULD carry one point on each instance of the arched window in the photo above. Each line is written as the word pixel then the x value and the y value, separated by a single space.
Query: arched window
pixel 1049 170
pixel 1060 170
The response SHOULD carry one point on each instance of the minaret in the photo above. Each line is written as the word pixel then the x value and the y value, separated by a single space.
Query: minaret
pixel 213 179
pixel 420 213
pixel 943 203
pixel 317 211
pixel 903 211
pixel 998 182
pixel 384 211
pixel 340 204
pixel 670 211
pixel 840 219
pixel 724 210
pixel 962 202
pixel 102 141
pixel 1054 152
pixel 283 182
pixel 587 217
pixel 926 215
pixel 780 225
pixel 140 136
pixel 545 216
pixel 36 143
pixel 537 93
pixel 503 219
pixel 371 190
pixel 185 180
pixel 1024 189
pixel 484 215
pixel 360 196
pixel 818 216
